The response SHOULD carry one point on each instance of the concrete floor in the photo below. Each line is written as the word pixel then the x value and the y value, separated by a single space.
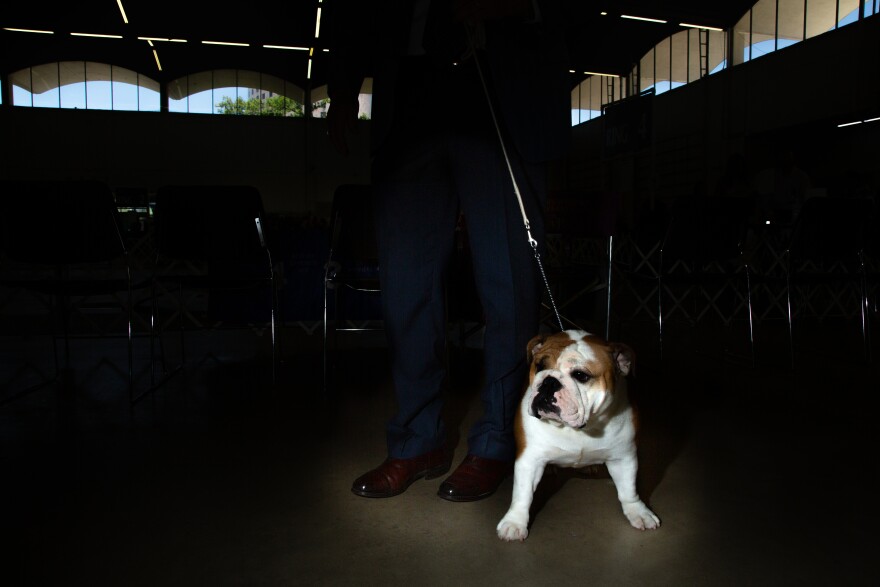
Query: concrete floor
pixel 760 477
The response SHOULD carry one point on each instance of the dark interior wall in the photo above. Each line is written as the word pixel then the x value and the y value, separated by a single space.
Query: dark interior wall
pixel 788 100
pixel 792 98
pixel 290 160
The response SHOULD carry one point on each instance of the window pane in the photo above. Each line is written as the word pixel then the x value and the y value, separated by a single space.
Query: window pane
pixel 149 98
pixel 742 39
pixel 821 16
pixel 587 99
pixel 679 55
pixel 125 96
pixel 73 84
pixel 763 28
pixel 647 71
pixel 717 51
pixel 178 95
pixel 99 93
pixel 186 98
pixel 791 22
pixel 21 87
pixel 201 103
pixel 365 99
pixel 124 88
pixel 848 12
pixel 661 66
pixel 44 85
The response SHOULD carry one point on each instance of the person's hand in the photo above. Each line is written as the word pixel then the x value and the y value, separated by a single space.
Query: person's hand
pixel 342 118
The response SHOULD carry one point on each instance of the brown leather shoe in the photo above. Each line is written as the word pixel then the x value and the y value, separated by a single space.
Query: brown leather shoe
pixel 394 475
pixel 475 478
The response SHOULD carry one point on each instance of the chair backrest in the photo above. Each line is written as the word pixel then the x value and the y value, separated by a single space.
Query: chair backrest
pixel 352 225
pixel 831 228
pixel 59 222
pixel 216 224
pixel 707 229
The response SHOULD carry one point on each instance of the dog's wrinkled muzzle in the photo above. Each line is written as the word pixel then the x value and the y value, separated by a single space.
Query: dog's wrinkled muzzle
pixel 545 398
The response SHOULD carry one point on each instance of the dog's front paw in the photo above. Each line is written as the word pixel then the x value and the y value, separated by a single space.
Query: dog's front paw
pixel 510 528
pixel 640 516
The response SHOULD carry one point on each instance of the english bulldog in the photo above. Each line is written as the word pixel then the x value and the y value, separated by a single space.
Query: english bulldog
pixel 574 413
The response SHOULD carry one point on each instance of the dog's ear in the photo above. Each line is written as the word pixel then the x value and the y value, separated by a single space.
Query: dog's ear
pixel 534 346
pixel 624 357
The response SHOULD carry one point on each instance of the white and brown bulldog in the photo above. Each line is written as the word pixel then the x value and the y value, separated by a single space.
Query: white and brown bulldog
pixel 574 413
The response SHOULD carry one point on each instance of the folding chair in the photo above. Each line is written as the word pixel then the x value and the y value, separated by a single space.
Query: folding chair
pixel 61 241
pixel 351 273
pixel 211 247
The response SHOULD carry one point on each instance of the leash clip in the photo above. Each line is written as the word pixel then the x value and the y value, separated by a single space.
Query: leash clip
pixel 531 239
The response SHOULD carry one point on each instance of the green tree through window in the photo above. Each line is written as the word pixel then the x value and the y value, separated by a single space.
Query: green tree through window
pixel 271 106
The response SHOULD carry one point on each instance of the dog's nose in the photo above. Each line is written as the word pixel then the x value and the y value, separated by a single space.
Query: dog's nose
pixel 549 385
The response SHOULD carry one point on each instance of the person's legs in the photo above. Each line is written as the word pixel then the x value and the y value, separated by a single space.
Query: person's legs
pixel 416 211
pixel 507 281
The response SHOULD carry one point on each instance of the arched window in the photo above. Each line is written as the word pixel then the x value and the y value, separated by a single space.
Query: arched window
pixel 769 25
pixel 591 95
pixel 84 85
pixel 235 91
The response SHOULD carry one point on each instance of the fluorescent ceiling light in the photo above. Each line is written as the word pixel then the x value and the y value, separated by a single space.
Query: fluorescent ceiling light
pixel 642 18
pixel 318 23
pixel 122 10
pixel 285 47
pixel 601 74
pixel 29 31
pixel 162 39
pixel 99 36
pixel 855 122
pixel 700 26
pixel 225 43
pixel 156 57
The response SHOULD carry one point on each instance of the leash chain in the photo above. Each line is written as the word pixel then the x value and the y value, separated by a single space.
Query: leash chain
pixel 532 242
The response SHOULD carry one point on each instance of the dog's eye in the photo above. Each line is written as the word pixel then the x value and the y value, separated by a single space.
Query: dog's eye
pixel 539 365
pixel 580 376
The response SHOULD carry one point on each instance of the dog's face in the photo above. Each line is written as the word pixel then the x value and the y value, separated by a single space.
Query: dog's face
pixel 573 375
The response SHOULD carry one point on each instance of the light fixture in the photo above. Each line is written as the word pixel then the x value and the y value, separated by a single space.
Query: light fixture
pixel 285 47
pixel 96 35
pixel 156 57
pixel 29 31
pixel 601 74
pixel 855 122
pixel 645 18
pixel 318 23
pixel 161 39
pixel 122 10
pixel 700 26
pixel 226 43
